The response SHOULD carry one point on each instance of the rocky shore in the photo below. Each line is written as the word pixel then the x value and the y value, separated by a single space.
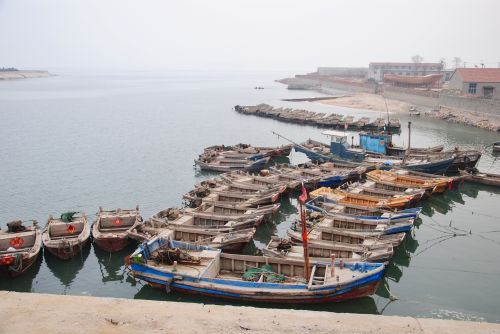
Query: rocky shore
pixel 8 75
pixel 44 313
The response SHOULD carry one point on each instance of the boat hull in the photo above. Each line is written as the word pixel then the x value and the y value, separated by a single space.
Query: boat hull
pixel 112 244
pixel 303 296
pixel 67 253
pixel 8 271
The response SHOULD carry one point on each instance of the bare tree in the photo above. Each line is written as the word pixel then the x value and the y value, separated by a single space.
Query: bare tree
pixel 457 61
pixel 443 62
pixel 417 59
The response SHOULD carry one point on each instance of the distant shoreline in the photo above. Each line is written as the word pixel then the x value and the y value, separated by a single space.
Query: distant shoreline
pixel 9 75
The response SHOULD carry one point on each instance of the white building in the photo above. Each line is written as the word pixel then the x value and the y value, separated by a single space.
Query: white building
pixel 376 71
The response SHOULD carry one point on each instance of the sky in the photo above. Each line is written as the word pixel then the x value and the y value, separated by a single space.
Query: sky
pixel 244 34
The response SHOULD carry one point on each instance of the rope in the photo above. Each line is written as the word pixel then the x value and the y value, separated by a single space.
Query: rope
pixel 17 266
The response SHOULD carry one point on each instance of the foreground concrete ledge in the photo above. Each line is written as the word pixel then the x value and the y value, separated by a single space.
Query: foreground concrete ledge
pixel 44 313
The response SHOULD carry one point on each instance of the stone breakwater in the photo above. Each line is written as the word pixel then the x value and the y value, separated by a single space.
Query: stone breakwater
pixel 8 75
pixel 476 119
pixel 42 313
pixel 331 121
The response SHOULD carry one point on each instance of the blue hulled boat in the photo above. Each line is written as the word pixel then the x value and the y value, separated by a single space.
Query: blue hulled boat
pixel 194 269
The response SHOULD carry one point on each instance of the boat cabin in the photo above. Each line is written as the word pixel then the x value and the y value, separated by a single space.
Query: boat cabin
pixel 341 148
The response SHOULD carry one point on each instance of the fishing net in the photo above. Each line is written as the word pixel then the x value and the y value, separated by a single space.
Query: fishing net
pixel 253 274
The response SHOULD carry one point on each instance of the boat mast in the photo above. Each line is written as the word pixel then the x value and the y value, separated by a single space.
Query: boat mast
pixel 409 136
pixel 302 199
pixel 386 109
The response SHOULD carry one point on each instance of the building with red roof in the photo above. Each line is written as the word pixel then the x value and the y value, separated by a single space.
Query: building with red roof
pixel 479 82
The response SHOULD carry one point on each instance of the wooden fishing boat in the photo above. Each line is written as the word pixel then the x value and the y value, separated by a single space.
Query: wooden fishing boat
pixel 326 206
pixel 343 197
pixel 247 181
pixel 213 191
pixel 227 165
pixel 19 248
pixel 65 237
pixel 109 231
pixel 321 250
pixel 254 199
pixel 389 178
pixel 462 159
pixel 378 225
pixel 235 210
pixel 205 220
pixel 370 188
pixel 264 178
pixel 315 177
pixel 229 241
pixel 248 187
pixel 351 237
pixel 245 151
pixel 201 270
pixel 489 179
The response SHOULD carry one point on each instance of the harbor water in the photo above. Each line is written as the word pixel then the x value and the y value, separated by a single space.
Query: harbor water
pixel 77 141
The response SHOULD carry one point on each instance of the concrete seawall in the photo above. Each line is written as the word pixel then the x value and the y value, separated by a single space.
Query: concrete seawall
pixel 43 313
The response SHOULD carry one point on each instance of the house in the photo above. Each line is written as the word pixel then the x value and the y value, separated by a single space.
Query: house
pixel 480 82
pixel 377 71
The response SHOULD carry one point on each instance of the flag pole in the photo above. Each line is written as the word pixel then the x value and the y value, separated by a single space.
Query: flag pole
pixel 302 199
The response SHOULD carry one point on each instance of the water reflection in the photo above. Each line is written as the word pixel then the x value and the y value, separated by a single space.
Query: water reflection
pixel 24 282
pixel 67 270
pixel 112 265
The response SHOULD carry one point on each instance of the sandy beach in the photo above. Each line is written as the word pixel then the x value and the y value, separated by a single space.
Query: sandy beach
pixel 8 75
pixel 368 102
pixel 376 102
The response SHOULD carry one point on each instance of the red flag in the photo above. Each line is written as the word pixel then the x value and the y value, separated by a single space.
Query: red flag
pixel 303 196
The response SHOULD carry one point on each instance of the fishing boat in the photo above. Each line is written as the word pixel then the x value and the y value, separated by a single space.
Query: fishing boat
pixel 257 182
pixel 188 268
pixel 344 197
pixel 65 237
pixel 235 210
pixel 248 187
pixel 109 231
pixel 378 225
pixel 323 251
pixel 255 199
pixel 205 220
pixel 370 188
pixel 247 151
pixel 19 248
pixel 475 176
pixel 232 241
pixel 313 177
pixel 331 207
pixel 400 179
pixel 226 164
pixel 352 237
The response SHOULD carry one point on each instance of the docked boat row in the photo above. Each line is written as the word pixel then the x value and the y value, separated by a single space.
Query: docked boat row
pixel 357 227
pixel 245 157
pixel 331 121
pixel 377 150
pixel 356 217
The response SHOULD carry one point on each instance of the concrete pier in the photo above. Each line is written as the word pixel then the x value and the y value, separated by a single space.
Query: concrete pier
pixel 44 313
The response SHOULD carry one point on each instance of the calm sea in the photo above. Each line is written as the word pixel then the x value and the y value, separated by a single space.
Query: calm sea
pixel 77 141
